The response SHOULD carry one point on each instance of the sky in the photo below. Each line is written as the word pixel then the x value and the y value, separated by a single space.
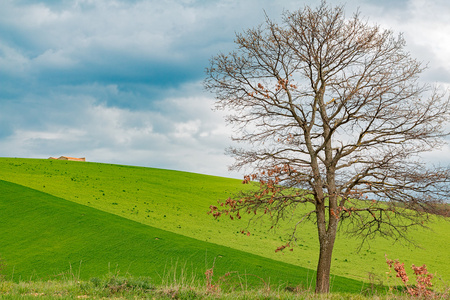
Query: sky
pixel 121 82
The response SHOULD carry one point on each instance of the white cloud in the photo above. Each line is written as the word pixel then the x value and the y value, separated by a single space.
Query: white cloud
pixel 425 26
pixel 61 135
pixel 187 129
pixel 54 59
pixel 12 61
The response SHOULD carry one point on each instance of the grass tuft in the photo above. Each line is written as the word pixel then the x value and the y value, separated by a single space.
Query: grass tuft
pixel 113 286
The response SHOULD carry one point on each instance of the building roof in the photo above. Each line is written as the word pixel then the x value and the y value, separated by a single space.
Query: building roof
pixel 69 158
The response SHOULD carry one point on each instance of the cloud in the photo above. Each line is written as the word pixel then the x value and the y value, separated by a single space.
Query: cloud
pixel 121 41
pixel 139 46
pixel 120 81
pixel 182 134
pixel 425 27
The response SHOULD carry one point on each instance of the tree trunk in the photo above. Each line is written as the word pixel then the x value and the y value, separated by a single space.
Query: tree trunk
pixel 327 236
pixel 324 264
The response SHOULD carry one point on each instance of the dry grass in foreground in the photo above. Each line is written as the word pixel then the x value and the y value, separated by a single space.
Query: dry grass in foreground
pixel 117 287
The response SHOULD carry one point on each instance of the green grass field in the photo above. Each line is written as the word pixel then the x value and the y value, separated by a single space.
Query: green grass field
pixel 45 237
pixel 177 202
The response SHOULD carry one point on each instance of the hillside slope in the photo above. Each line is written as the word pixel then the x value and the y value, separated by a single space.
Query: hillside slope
pixel 178 202
pixel 43 236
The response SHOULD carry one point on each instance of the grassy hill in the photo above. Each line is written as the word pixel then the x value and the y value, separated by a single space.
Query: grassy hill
pixel 178 201
pixel 46 237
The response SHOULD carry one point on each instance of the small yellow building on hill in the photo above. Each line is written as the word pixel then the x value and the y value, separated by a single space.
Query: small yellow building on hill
pixel 69 158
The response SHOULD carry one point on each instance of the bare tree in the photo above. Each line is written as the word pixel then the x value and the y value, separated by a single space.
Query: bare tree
pixel 336 117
